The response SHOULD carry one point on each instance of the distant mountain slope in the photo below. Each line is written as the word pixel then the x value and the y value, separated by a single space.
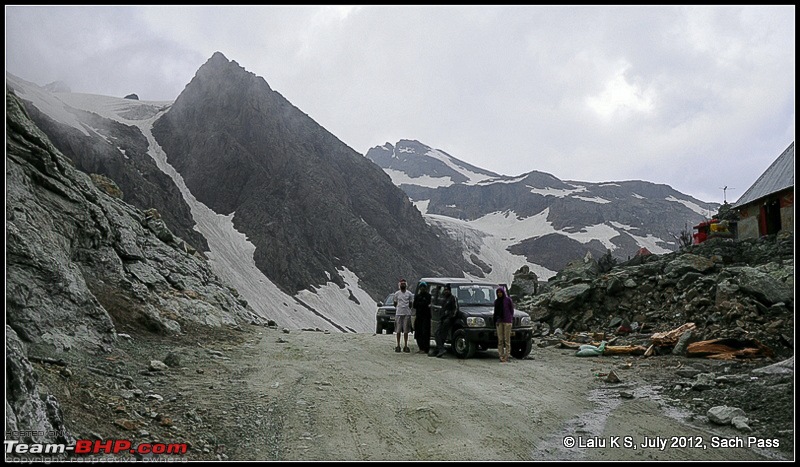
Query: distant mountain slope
pixel 536 218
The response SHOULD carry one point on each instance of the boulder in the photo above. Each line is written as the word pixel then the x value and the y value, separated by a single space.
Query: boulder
pixel 723 415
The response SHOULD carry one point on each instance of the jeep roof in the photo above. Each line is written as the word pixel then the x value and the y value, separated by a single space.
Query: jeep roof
pixel 455 281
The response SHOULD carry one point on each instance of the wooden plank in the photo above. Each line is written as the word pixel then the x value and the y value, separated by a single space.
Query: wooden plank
pixel 671 337
pixel 624 350
pixel 726 349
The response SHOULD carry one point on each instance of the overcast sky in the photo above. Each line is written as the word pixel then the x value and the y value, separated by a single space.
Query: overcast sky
pixel 694 97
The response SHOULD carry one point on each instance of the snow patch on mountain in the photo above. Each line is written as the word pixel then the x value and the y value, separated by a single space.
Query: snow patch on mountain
pixel 508 226
pixel 600 232
pixel 45 101
pixel 350 306
pixel 649 241
pixel 490 236
pixel 596 199
pixel 492 181
pixel 400 178
pixel 622 226
pixel 489 248
pixel 693 206
pixel 473 178
pixel 503 229
pixel 422 206
pixel 557 192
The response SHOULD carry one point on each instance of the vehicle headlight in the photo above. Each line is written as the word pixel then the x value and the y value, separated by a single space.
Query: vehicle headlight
pixel 525 321
pixel 381 312
pixel 476 322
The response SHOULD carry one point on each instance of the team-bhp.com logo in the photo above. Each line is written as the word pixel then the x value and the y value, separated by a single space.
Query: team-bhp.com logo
pixel 89 447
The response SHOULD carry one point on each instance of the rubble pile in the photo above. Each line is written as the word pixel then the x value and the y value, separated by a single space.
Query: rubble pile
pixel 735 293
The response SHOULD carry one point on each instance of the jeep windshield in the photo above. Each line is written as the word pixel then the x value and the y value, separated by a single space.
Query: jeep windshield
pixel 474 295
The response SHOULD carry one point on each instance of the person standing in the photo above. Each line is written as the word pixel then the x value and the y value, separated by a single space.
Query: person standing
pixel 448 316
pixel 503 319
pixel 402 303
pixel 422 325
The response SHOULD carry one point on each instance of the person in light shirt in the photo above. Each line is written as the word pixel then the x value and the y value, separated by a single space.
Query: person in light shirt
pixel 403 300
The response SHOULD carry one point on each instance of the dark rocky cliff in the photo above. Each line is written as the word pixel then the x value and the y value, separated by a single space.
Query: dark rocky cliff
pixel 308 202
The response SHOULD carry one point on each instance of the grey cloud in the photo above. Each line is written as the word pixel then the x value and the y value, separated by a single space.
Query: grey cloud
pixel 501 87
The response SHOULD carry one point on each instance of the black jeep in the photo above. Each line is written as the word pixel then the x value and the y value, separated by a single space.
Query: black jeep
pixel 384 317
pixel 474 328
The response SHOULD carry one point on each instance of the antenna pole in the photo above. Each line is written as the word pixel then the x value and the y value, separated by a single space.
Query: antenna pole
pixel 724 194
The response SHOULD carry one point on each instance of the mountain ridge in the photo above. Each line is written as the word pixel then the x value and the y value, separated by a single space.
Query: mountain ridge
pixel 565 218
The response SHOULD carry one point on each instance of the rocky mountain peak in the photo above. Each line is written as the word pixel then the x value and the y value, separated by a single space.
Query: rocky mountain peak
pixel 218 58
pixel 226 76
pixel 308 202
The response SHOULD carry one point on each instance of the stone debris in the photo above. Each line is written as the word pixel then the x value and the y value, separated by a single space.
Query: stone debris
pixel 723 414
pixel 157 365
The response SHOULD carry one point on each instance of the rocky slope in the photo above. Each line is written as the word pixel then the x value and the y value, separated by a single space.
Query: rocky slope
pixel 82 264
pixel 96 144
pixel 730 289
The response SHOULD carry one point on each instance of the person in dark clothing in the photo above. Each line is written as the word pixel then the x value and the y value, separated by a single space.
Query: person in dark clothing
pixel 449 308
pixel 503 320
pixel 422 323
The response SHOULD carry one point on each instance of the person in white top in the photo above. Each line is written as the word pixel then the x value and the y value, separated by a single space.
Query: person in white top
pixel 402 303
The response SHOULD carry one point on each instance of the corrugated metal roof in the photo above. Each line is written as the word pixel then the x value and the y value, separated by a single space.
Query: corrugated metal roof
pixel 779 176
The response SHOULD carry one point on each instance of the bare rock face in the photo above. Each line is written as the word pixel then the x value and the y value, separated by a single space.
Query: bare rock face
pixel 81 264
pixel 27 409
pixel 49 219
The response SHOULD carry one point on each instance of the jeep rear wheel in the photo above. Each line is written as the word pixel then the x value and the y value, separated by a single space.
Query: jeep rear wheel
pixel 378 329
pixel 521 350
pixel 463 347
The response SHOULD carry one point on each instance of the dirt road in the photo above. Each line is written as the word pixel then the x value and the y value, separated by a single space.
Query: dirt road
pixel 351 397
pixel 304 395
